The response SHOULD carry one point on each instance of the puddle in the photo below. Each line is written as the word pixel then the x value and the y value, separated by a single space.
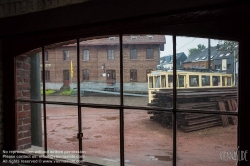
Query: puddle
pixel 160 158
pixel 73 139
pixel 86 128
pixel 68 127
pixel 111 118
pixel 98 136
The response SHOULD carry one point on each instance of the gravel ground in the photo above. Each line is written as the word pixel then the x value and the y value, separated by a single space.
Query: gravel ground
pixel 146 142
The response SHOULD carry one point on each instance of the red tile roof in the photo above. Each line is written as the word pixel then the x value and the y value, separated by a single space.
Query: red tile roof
pixel 132 39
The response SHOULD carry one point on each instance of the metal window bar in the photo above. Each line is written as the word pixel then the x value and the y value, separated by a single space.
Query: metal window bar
pixel 44 104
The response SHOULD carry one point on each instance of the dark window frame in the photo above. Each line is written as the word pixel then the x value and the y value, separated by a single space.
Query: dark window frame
pixel 85 57
pixel 111 54
pixel 149 53
pixel 66 55
pixel 133 75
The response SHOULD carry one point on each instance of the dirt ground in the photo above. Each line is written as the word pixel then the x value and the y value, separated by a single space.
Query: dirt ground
pixel 147 143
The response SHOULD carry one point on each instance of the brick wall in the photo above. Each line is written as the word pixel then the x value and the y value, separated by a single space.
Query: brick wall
pixel 97 58
pixel 1 110
pixel 23 109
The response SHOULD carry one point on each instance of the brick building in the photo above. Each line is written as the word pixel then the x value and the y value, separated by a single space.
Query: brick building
pixel 99 60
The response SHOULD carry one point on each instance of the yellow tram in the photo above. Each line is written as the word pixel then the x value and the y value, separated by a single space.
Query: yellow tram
pixel 159 79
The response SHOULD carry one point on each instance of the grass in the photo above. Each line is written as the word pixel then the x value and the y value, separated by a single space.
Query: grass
pixel 66 92
pixel 48 91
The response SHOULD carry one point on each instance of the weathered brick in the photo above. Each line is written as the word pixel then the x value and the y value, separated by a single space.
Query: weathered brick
pixel 24 127
pixel 26 94
pixel 19 79
pixel 23 141
pixel 26 107
pixel 24 86
pixel 26 66
pixel 19 65
pixel 27 121
pixel 23 114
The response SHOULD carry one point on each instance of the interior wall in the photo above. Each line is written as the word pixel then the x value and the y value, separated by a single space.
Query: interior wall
pixel 18 7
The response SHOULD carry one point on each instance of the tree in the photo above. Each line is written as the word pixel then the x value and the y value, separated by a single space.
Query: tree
pixel 200 47
pixel 230 46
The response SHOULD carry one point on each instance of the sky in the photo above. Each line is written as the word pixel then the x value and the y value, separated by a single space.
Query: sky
pixel 185 43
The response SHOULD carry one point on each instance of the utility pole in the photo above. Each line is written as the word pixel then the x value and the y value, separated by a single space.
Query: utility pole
pixel 209 55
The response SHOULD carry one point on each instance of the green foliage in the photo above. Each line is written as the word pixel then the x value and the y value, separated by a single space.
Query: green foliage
pixel 66 92
pixel 230 46
pixel 48 91
pixel 200 47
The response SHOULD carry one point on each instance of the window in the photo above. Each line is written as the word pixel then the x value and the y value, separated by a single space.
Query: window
pixel 111 54
pixel 228 66
pixel 65 55
pixel 217 67
pixel 99 103
pixel 133 75
pixel 216 80
pixel 150 53
pixel 133 54
pixel 205 80
pixel 85 56
pixel 47 75
pixel 85 75
pixel 46 56
pixel 193 81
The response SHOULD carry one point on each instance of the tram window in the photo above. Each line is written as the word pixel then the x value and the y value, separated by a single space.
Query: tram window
pixel 181 80
pixel 194 80
pixel 170 80
pixel 157 83
pixel 229 81
pixel 205 80
pixel 223 80
pixel 150 82
pixel 216 80
pixel 163 81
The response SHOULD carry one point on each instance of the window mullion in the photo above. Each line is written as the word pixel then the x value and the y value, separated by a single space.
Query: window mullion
pixel 44 100
pixel 121 104
pixel 174 101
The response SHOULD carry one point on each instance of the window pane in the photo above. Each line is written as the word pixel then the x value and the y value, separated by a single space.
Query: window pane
pixel 28 75
pixel 147 142
pixel 61 75
pixel 203 87
pixel 100 78
pixel 101 136
pixel 201 140
pixel 30 132
pixel 143 77
pixel 62 127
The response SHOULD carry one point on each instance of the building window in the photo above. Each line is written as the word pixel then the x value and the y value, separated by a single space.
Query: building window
pixel 47 76
pixel 85 75
pixel 150 53
pixel 148 71
pixel 133 54
pixel 217 67
pixel 46 56
pixel 228 66
pixel 85 56
pixel 111 54
pixel 133 75
pixel 65 55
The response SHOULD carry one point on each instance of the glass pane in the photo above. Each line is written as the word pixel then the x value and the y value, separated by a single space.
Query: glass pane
pixel 206 83
pixel 145 74
pixel 148 138
pixel 30 135
pixel 28 75
pixel 202 140
pixel 61 71
pixel 101 136
pixel 100 72
pixel 62 128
